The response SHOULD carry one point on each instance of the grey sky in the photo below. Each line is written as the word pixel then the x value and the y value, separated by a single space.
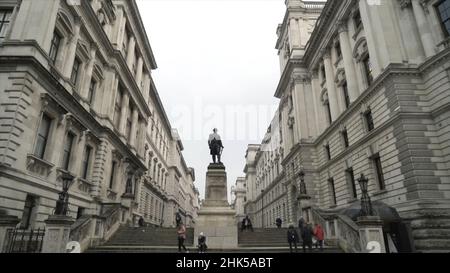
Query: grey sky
pixel 214 58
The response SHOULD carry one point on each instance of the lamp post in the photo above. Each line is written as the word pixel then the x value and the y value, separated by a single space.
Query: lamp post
pixel 262 208
pixel 366 204
pixel 62 204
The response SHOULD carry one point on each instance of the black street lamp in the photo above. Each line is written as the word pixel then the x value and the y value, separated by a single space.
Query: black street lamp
pixel 366 204
pixel 62 204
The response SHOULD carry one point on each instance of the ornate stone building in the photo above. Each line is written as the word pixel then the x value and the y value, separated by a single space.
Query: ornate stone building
pixel 266 198
pixel 367 93
pixel 77 96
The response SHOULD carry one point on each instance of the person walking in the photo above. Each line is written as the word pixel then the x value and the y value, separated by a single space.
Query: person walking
pixel 292 237
pixel 178 218
pixel 243 224
pixel 181 237
pixel 320 236
pixel 307 235
pixel 141 222
pixel 249 224
pixel 202 243
pixel 278 222
pixel 301 224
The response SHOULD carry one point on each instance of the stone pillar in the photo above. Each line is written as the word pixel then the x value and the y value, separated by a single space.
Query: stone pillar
pixel 35 20
pixel 130 54
pixel 134 128
pixel 424 29
pixel 71 50
pixel 138 75
pixel 347 56
pixel 410 34
pixel 7 224
pixel 56 234
pixel 88 75
pixel 294 33
pixel 124 113
pixel 370 229
pixel 146 88
pixel 332 95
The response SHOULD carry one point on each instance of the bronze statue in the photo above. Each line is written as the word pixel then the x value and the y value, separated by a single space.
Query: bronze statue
pixel 215 146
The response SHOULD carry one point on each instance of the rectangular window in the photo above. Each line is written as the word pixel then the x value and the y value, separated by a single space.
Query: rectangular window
pixel 67 151
pixel 328 112
pixel 345 138
pixel 128 129
pixel 346 95
pixel 357 20
pixel 86 161
pixel 91 93
pixel 54 47
pixel 324 75
pixel 118 107
pixel 80 212
pixel 352 183
pixel 368 70
pixel 333 191
pixel 5 22
pixel 369 120
pixel 29 211
pixel 443 8
pixel 379 171
pixel 75 71
pixel 328 151
pixel 112 176
pixel 42 137
pixel 338 50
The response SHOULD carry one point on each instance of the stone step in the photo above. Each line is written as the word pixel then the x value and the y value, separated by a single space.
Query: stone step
pixel 162 249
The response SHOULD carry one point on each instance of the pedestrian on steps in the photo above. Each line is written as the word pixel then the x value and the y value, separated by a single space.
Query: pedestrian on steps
pixel 181 237
pixel 292 237
pixel 307 237
pixel 320 236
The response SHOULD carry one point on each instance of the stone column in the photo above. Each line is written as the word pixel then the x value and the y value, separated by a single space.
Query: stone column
pixel 294 33
pixel 131 50
pixel 370 229
pixel 347 56
pixel 424 29
pixel 35 20
pixel 7 224
pixel 319 116
pixel 72 49
pixel 124 113
pixel 134 127
pixel 146 88
pixel 56 234
pixel 369 31
pixel 410 34
pixel 332 95
pixel 88 75
pixel 138 75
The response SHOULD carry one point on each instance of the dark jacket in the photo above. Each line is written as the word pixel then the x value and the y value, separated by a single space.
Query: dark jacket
pixel 292 236
pixel 307 234
pixel 201 240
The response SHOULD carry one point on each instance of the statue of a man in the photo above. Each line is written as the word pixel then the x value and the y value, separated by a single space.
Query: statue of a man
pixel 215 145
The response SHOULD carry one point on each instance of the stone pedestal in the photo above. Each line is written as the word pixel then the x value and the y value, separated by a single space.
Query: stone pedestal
pixel 370 229
pixel 7 224
pixel 216 218
pixel 57 233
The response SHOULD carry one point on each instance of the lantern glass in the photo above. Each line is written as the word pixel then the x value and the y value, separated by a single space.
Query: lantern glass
pixel 363 183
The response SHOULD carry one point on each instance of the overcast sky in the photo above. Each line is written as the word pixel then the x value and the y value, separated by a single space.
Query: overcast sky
pixel 217 67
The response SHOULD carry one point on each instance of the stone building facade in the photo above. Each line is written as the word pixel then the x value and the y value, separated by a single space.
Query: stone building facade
pixel 368 93
pixel 77 96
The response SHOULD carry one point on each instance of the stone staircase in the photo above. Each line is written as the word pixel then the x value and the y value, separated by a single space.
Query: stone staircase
pixel 148 236
pixel 164 240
